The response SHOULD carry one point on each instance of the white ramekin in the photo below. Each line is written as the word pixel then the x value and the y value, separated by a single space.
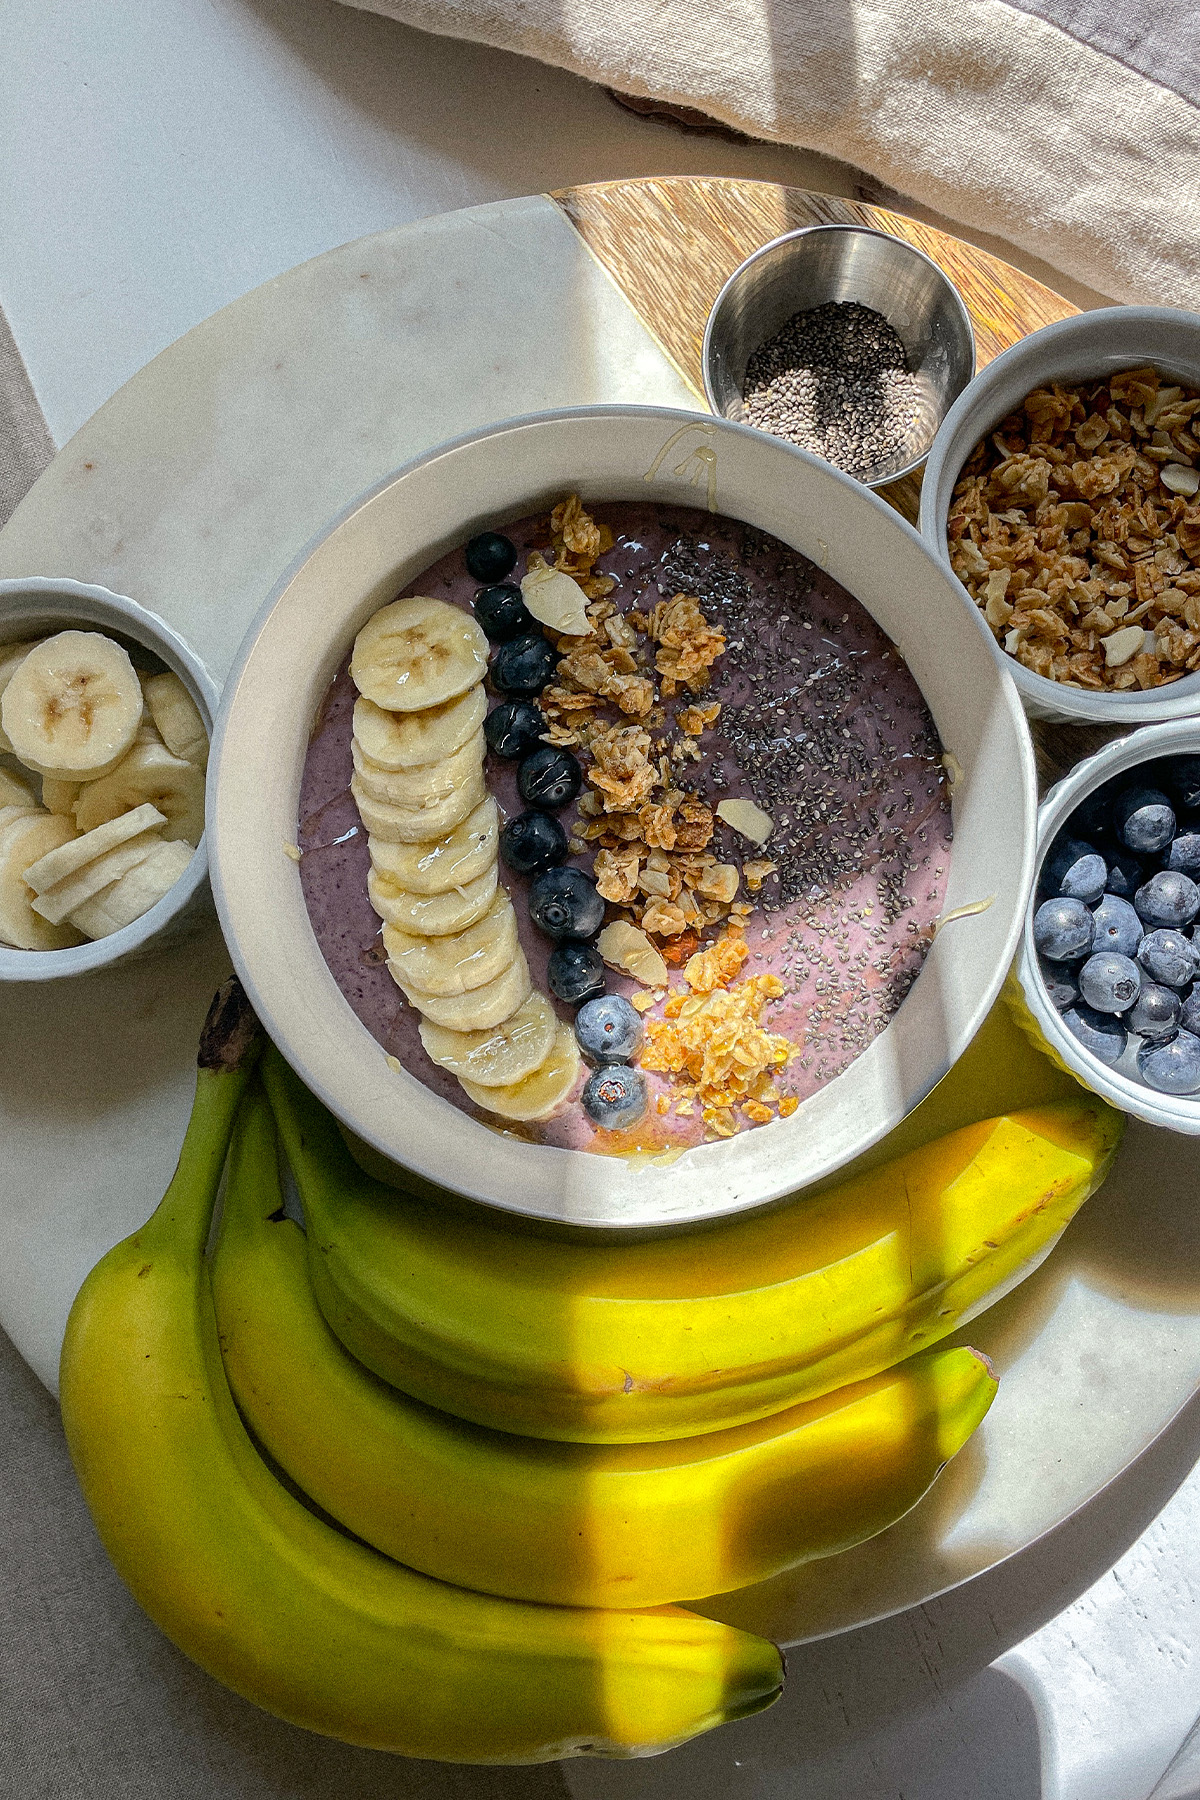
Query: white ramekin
pixel 1031 1005
pixel 1085 348
pixel 34 605
pixel 389 536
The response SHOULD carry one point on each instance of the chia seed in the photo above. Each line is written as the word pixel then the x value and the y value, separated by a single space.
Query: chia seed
pixel 835 380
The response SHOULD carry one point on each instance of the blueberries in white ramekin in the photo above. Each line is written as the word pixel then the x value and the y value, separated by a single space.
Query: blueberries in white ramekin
pixel 1117 925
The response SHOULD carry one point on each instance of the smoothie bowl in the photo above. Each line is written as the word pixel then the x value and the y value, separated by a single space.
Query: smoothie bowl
pixel 616 819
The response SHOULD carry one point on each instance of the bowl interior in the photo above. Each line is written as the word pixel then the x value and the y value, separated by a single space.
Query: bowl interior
pixel 1080 349
pixel 36 607
pixel 395 532
pixel 840 263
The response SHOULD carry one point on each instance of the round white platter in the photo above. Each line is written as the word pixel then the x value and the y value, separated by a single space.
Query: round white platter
pixel 190 490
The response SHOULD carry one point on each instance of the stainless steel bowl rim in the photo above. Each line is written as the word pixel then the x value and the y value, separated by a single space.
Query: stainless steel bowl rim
pixel 806 231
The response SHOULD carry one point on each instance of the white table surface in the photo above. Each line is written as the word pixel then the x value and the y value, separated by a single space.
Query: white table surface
pixel 160 157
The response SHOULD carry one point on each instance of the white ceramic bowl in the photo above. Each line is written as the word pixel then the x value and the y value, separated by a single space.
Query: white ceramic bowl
pixel 390 535
pixel 1177 1112
pixel 39 604
pixel 1084 348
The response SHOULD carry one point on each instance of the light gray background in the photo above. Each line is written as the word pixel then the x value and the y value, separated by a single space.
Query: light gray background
pixel 160 157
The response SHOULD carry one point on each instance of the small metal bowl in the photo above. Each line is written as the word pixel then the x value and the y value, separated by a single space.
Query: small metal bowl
pixel 805 269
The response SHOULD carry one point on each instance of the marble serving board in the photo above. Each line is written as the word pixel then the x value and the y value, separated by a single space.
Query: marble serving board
pixel 196 485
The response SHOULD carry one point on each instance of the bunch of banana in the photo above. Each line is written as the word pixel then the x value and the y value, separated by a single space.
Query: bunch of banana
pixel 662 1340
pixel 122 795
pixel 565 1524
pixel 450 931
pixel 286 1610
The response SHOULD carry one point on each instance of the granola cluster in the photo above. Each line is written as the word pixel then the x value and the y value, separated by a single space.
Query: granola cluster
pixel 712 1043
pixel 650 833
pixel 1076 530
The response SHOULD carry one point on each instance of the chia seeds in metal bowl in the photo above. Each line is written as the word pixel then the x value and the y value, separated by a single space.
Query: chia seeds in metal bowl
pixel 848 342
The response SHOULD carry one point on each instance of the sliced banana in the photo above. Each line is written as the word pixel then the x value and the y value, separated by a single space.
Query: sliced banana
pixel 22 842
pixel 423 786
pixel 135 893
pixel 418 824
pixel 60 796
pixel 74 855
pixel 11 658
pixel 73 706
pixel 432 915
pixel 417 653
pixel 60 901
pixel 176 718
pixel 461 962
pixel 500 1056
pixel 149 773
pixel 483 1006
pixel 15 792
pixel 444 863
pixel 396 740
pixel 537 1095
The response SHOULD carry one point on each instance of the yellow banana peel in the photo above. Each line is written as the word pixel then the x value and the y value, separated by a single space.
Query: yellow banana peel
pixel 286 1610
pixel 690 1333
pixel 573 1524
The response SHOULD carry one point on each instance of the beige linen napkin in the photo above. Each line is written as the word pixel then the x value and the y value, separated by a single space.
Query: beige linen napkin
pixel 1069 127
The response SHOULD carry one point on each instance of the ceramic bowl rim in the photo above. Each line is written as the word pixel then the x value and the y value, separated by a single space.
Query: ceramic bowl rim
pixel 295 1036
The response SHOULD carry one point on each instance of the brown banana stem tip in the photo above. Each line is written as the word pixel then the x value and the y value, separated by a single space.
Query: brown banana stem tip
pixel 231 1031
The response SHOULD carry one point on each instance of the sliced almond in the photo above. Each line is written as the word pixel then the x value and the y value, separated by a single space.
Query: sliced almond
pixel 1180 480
pixel 748 820
pixel 556 600
pixel 624 947
pixel 1121 646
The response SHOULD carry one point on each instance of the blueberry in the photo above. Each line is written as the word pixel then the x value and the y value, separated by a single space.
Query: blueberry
pixel 1117 926
pixel 575 972
pixel 549 777
pixel 1144 819
pixel 608 1029
pixel 1184 854
pixel 616 1096
pixel 1182 776
pixel 1156 1011
pixel 531 842
pixel 524 665
pixel 513 728
pixel 491 556
pixel 1168 898
pixel 1109 982
pixel 1098 1032
pixel 1172 1066
pixel 1063 930
pixel 564 903
pixel 1169 957
pixel 1062 988
pixel 1125 875
pixel 503 614
pixel 1189 1017
pixel 1075 870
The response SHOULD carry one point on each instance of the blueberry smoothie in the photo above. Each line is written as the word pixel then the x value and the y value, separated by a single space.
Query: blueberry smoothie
pixel 722 667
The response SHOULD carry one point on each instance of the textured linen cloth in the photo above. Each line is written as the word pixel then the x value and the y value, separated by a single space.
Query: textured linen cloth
pixel 1069 127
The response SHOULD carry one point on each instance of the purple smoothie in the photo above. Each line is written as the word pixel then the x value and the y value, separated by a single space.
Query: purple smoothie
pixel 821 725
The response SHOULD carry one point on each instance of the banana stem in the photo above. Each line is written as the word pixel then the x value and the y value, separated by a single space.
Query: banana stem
pixel 229 1047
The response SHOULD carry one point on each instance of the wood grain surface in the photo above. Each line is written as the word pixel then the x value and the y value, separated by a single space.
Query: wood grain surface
pixel 671 244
